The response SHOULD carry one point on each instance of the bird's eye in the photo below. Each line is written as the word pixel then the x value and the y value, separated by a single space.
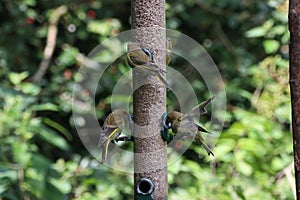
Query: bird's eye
pixel 148 53
pixel 168 125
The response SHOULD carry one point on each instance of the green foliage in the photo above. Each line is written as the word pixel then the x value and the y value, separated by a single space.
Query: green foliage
pixel 41 155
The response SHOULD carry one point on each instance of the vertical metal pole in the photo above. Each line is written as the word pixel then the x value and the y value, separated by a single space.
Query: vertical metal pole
pixel 149 98
pixel 294 27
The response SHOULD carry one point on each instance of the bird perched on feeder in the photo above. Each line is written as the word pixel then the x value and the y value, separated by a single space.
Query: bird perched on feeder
pixel 114 123
pixel 138 57
pixel 184 124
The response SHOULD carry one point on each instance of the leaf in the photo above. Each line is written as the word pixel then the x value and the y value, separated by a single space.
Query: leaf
pixel 46 106
pixel 17 78
pixel 62 185
pixel 52 191
pixel 283 113
pixel 40 162
pixel 241 164
pixel 68 56
pixel 30 2
pixel 58 127
pixel 35 181
pixel 256 32
pixel 223 148
pixel 51 137
pixel 103 27
pixel 21 153
pixel 8 174
pixel 271 46
pixel 30 89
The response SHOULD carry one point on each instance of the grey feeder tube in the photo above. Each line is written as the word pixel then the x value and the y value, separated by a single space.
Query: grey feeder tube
pixel 144 189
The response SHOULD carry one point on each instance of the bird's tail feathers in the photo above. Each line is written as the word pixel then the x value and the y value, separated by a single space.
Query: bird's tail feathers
pixel 105 151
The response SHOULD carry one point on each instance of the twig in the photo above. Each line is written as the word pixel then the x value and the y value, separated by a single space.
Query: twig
pixel 256 95
pixel 288 173
pixel 51 42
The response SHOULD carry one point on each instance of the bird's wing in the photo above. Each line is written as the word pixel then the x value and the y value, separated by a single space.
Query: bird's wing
pixel 195 112
pixel 105 150
pixel 108 134
pixel 151 67
pixel 201 129
pixel 200 139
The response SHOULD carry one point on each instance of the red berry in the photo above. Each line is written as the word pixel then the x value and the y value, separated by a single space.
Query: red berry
pixel 68 74
pixel 91 14
pixel 29 20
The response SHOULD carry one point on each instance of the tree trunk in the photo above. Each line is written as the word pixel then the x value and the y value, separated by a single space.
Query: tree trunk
pixel 294 26
pixel 149 98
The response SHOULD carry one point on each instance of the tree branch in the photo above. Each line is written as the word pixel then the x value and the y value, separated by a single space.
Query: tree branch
pixel 294 50
pixel 51 42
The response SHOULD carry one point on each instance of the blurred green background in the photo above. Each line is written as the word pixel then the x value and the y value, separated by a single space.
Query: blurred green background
pixel 41 155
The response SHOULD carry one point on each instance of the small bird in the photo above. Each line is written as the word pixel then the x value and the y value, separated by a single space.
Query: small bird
pixel 114 123
pixel 138 57
pixel 184 125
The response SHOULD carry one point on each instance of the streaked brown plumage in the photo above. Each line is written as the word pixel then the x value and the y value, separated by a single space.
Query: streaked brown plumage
pixel 184 124
pixel 114 123
pixel 138 57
